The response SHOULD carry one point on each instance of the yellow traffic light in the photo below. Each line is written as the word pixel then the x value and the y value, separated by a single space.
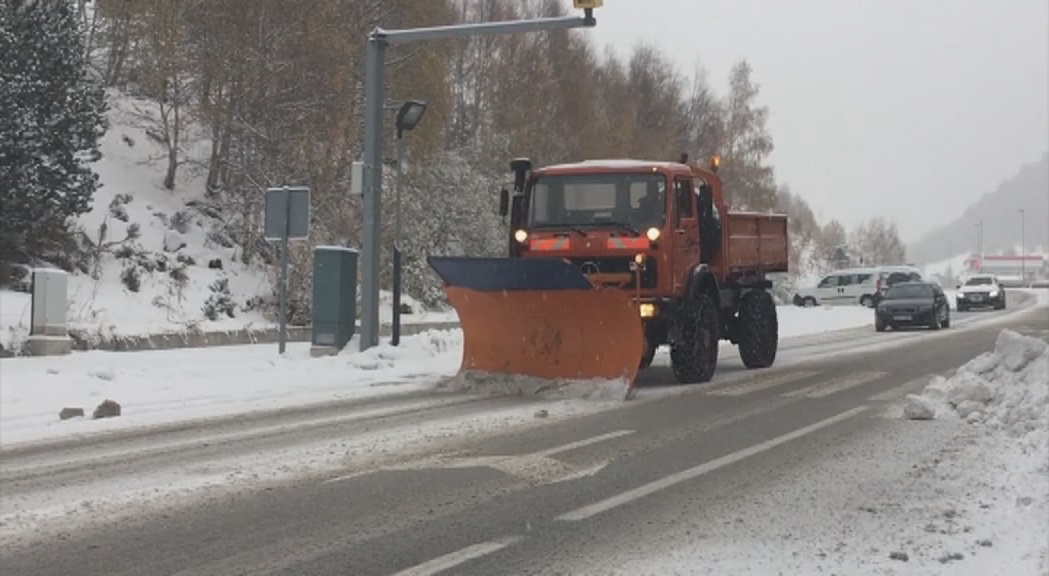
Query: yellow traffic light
pixel 587 4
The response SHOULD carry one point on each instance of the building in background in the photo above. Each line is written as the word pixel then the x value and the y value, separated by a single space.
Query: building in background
pixel 1032 266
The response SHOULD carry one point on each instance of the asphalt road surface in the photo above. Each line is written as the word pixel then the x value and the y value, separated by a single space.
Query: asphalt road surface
pixel 505 503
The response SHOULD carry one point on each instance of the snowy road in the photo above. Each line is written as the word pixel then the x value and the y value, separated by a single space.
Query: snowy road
pixel 412 487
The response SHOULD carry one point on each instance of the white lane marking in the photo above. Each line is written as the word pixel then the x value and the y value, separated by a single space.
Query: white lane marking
pixel 536 466
pixel 692 473
pixel 896 392
pixel 581 443
pixel 759 384
pixel 442 563
pixel 828 387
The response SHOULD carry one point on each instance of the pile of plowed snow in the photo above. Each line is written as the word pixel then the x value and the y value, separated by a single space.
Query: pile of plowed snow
pixel 1006 390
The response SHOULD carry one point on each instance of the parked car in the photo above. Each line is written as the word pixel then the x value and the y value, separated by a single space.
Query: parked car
pixel 913 304
pixel 980 290
pixel 855 286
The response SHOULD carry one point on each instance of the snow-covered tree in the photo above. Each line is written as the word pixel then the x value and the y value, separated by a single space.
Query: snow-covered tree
pixel 830 238
pixel 52 115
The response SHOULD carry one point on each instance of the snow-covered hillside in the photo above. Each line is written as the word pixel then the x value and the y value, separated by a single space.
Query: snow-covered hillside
pixel 177 270
pixel 159 262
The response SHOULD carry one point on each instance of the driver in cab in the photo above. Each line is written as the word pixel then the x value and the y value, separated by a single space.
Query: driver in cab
pixel 650 205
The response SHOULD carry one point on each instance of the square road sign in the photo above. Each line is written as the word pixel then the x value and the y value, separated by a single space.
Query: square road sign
pixel 287 212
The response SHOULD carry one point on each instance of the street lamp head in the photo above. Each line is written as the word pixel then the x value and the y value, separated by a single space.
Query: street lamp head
pixel 409 115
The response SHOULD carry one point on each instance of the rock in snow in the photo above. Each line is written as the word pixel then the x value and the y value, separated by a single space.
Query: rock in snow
pixel 173 241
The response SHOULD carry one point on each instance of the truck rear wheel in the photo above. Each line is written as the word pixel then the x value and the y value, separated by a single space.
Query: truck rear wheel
pixel 758 330
pixel 695 356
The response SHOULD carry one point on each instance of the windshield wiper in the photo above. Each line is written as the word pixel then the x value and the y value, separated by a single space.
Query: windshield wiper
pixel 555 226
pixel 624 226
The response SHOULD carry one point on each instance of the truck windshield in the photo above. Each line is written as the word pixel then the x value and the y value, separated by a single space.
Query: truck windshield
pixel 598 200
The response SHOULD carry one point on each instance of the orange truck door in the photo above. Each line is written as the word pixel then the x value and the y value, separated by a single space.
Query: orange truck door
pixel 686 231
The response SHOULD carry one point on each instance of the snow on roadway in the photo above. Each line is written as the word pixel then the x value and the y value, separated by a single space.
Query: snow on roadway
pixel 964 493
pixel 155 387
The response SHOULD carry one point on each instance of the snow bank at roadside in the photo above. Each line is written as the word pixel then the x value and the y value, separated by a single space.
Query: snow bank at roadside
pixel 1005 390
pixel 176 385
pixel 1003 396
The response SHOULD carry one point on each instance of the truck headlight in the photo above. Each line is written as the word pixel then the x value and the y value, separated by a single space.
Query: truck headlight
pixel 521 236
pixel 653 234
pixel 647 310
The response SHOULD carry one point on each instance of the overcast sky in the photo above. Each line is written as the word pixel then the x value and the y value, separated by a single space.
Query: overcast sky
pixel 910 109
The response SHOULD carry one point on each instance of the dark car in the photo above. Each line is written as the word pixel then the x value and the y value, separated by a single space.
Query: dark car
pixel 912 304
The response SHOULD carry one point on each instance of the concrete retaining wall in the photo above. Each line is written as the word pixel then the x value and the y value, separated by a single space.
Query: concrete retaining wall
pixel 175 340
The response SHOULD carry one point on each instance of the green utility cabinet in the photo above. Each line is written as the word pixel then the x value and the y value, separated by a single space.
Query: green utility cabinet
pixel 334 296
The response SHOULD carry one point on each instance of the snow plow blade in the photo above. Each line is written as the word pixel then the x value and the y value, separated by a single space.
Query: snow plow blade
pixel 541 318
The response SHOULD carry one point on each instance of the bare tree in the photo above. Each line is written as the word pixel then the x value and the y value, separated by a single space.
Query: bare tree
pixel 877 242
pixel 749 180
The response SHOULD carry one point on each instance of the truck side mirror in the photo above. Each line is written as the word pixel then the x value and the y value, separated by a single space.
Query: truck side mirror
pixel 504 202
pixel 706 201
pixel 517 212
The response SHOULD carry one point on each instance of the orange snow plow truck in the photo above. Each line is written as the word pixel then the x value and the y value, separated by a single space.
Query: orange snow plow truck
pixel 608 260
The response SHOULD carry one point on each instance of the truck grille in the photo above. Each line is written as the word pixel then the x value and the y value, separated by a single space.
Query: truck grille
pixel 649 276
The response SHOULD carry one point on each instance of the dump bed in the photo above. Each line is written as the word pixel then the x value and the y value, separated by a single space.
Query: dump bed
pixel 756 242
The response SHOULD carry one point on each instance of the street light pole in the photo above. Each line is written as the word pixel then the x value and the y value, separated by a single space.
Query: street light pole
pixel 407 119
pixel 979 227
pixel 979 244
pixel 1023 247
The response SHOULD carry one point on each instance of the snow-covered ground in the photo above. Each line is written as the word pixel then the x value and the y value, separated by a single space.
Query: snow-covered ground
pixel 175 257
pixel 795 321
pixel 156 387
pixel 963 494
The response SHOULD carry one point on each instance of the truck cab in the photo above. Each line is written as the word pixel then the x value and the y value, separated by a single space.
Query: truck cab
pixel 613 218
pixel 660 230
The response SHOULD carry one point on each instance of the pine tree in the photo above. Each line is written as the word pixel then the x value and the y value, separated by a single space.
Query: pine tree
pixel 52 115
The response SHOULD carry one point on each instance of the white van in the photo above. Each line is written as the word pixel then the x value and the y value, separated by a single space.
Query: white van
pixel 854 285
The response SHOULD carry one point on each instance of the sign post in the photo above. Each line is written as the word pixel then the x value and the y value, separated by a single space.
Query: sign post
pixel 287 217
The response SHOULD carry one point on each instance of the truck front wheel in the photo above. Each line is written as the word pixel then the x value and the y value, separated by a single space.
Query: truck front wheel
pixel 758 330
pixel 650 354
pixel 695 356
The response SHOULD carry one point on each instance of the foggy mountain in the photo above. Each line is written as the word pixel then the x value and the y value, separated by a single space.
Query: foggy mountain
pixel 999 210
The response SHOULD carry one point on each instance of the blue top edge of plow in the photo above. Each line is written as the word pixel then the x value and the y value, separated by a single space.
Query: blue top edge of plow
pixel 497 274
